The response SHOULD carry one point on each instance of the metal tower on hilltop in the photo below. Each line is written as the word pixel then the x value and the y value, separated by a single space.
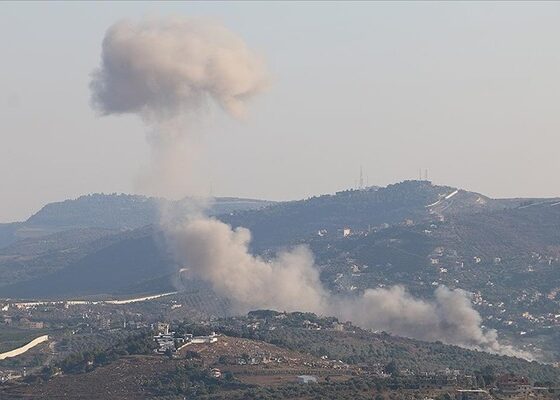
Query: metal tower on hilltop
pixel 425 177
pixel 361 185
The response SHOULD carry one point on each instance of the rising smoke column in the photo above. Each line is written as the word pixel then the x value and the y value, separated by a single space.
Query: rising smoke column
pixel 220 255
pixel 163 70
pixel 168 71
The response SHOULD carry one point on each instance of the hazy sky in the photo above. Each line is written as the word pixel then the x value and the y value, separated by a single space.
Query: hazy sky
pixel 469 90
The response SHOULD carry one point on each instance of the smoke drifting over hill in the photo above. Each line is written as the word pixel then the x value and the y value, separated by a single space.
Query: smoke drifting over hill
pixel 290 282
pixel 165 69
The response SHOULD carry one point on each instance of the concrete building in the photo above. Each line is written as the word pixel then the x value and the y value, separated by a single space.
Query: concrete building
pixel 165 342
pixel 511 386
pixel 162 328
pixel 212 338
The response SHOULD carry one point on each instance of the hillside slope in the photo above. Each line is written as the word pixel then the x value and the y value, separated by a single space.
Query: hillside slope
pixel 120 266
pixel 395 232
pixel 360 210
pixel 109 211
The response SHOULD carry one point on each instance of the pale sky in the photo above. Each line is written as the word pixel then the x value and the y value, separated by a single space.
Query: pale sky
pixel 469 90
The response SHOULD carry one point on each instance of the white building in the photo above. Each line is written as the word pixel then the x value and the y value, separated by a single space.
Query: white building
pixel 212 338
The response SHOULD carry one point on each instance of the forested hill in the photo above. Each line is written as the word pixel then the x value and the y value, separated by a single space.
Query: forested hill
pixel 309 333
pixel 124 210
pixel 359 210
pixel 400 231
pixel 109 211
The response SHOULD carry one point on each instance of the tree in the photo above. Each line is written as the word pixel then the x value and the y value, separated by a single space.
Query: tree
pixel 391 368
pixel 480 381
pixel 169 353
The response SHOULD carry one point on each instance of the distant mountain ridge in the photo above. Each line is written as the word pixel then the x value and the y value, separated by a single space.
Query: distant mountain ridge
pixel 109 211
pixel 360 210
pixel 97 210
pixel 75 254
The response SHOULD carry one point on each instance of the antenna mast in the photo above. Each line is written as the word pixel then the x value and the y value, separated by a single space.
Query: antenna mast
pixel 361 178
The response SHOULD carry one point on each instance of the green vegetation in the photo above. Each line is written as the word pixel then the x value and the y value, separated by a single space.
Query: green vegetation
pixel 12 338
pixel 196 384
pixel 193 379
pixel 83 361
pixel 357 346
pixel 293 222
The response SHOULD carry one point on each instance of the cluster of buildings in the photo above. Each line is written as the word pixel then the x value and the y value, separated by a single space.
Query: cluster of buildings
pixel 513 387
pixel 168 341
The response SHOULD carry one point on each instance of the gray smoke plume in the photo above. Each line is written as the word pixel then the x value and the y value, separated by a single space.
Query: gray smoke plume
pixel 216 253
pixel 163 70
pixel 449 317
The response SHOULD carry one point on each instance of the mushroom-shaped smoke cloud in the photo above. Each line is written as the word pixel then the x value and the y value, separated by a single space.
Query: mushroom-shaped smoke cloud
pixel 159 68
pixel 165 69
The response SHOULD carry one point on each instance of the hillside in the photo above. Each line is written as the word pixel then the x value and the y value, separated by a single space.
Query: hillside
pixel 45 265
pixel 359 210
pixel 122 211
pixel 116 264
pixel 262 354
pixel 109 211
pixel 413 233
pixel 326 336
pixel 393 230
